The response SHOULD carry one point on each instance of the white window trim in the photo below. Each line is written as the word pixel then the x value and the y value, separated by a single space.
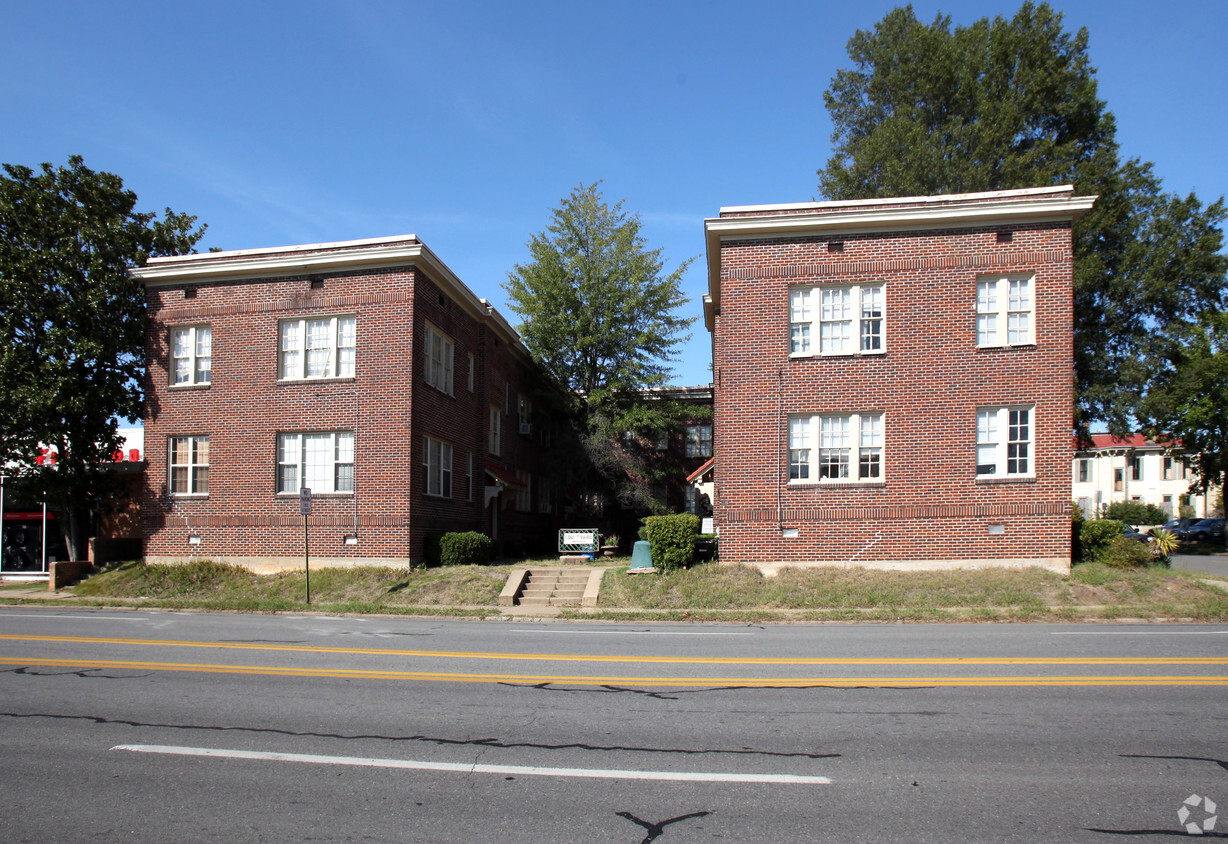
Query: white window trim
pixel 1002 311
pixel 1002 442
pixel 495 437
pixel 193 356
pixel 191 467
pixel 439 370
pixel 336 439
pixel 813 464
pixel 813 305
pixel 335 366
pixel 437 461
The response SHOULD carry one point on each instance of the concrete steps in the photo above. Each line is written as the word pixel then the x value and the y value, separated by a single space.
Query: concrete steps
pixel 552 587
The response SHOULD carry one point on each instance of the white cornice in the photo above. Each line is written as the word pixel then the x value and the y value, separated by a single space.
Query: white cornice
pixel 883 215
pixel 341 256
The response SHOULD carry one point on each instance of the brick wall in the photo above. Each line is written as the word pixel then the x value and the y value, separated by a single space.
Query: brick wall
pixel 930 509
pixel 387 404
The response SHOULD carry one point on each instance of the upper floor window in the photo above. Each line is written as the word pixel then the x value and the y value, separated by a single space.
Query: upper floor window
pixel 849 448
pixel 1136 467
pixel 189 465
pixel 439 355
pixel 322 461
pixel 698 440
pixel 192 354
pixel 472 371
pixel 1004 442
pixel 524 414
pixel 544 495
pixel 495 437
pixel 317 347
pixel 1005 307
pixel 1085 470
pixel 831 320
pixel 437 464
pixel 1174 469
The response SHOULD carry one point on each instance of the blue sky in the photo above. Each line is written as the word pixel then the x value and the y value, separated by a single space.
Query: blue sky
pixel 466 123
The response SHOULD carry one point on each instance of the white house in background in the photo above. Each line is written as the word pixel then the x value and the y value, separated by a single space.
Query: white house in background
pixel 1134 469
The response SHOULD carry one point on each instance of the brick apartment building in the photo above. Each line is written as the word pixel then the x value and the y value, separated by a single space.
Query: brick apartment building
pixel 894 380
pixel 364 370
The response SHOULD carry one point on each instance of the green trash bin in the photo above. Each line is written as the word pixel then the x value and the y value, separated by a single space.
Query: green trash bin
pixel 641 558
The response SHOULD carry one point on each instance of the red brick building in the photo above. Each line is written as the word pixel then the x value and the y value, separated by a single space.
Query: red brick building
pixel 894 380
pixel 364 370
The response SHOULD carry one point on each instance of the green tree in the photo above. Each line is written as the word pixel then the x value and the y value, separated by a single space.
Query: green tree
pixel 599 312
pixel 72 326
pixel 1000 104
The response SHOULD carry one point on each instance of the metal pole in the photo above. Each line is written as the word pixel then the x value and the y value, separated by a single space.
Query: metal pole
pixel 306 560
pixel 44 531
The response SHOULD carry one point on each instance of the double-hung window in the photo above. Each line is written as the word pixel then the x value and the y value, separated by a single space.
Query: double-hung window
pixel 317 347
pixel 524 414
pixel 524 494
pixel 439 356
pixel 836 320
pixel 189 465
pixel 699 441
pixel 1004 442
pixel 495 435
pixel 322 461
pixel 437 463
pixel 1005 311
pixel 191 354
pixel 833 448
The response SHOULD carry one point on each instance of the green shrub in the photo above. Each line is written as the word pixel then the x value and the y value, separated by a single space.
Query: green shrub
pixel 1123 553
pixel 465 549
pixel 672 539
pixel 1135 513
pixel 1095 536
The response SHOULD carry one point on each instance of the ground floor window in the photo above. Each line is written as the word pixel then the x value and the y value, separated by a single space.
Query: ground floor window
pixel 836 448
pixel 437 464
pixel 1004 442
pixel 322 461
pixel 189 464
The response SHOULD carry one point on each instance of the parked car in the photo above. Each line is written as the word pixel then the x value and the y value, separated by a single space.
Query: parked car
pixel 1175 525
pixel 1203 530
pixel 1135 533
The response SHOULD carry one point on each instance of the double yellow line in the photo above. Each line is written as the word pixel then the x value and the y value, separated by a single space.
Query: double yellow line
pixel 634 680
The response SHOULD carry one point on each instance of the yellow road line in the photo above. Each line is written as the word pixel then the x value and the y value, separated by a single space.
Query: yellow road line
pixel 720 682
pixel 678 660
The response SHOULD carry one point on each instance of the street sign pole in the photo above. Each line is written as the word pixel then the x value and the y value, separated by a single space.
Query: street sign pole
pixel 304 507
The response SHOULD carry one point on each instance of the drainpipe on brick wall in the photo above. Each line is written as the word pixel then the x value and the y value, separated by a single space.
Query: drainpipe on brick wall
pixel 780 398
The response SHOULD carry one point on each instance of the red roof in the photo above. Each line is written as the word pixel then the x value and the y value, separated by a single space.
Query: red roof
pixel 1130 441
pixel 503 476
pixel 700 471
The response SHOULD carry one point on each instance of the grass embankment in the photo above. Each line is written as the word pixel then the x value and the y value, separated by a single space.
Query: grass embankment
pixel 703 593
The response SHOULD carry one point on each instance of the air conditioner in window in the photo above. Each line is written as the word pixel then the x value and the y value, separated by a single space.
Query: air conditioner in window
pixel 526 428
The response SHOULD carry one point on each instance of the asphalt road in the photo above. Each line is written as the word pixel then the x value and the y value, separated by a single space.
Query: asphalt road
pixel 163 726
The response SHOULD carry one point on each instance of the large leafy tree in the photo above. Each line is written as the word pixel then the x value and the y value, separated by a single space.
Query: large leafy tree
pixel 72 326
pixel 600 314
pixel 1004 104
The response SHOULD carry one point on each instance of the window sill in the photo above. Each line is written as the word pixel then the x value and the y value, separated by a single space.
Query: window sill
pixel 1006 347
pixel 190 496
pixel 448 393
pixel 333 379
pixel 859 484
pixel 803 355
pixel 436 496
pixel 203 385
pixel 987 480
pixel 315 496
